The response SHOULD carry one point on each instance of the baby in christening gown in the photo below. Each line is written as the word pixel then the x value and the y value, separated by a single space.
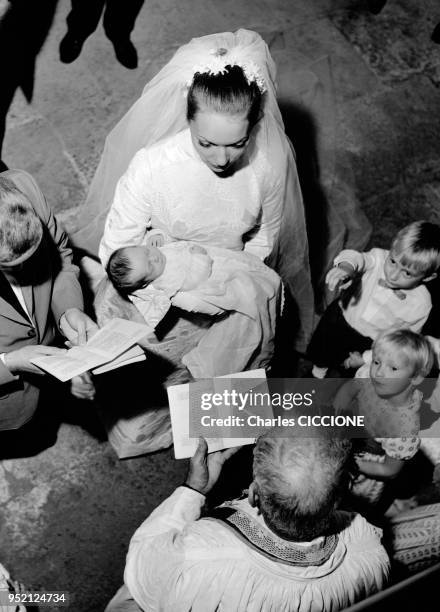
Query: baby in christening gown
pixel 236 289
pixel 174 267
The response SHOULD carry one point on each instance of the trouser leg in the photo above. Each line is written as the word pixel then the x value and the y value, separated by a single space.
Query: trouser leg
pixel 120 18
pixel 84 17
pixel 40 432
pixel 333 339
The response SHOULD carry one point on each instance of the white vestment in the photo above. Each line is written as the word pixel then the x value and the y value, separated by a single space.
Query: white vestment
pixel 179 563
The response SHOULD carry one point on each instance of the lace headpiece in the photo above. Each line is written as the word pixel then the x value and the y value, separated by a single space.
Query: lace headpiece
pixel 218 59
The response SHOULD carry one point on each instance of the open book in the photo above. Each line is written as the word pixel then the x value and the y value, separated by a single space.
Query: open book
pixel 179 401
pixel 111 347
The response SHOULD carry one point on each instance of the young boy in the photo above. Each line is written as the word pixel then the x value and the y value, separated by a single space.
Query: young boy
pixel 177 266
pixel 391 293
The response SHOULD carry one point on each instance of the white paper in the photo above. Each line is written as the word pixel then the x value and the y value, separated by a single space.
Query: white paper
pixel 184 446
pixel 133 355
pixel 116 337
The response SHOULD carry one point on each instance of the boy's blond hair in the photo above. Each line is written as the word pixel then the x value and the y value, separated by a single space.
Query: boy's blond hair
pixel 418 246
pixel 415 347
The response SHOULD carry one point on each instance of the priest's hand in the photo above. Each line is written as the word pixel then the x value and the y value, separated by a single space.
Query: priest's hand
pixel 204 468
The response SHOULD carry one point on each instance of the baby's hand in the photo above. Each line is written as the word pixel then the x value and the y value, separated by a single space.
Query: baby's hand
pixel 338 278
pixel 155 238
pixel 354 360
pixel 195 248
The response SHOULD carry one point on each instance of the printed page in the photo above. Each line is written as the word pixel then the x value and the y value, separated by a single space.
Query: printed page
pixel 133 355
pixel 73 362
pixel 116 337
pixel 184 446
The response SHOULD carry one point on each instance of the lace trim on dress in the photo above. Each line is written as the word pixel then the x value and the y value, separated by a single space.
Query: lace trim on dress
pixel 269 544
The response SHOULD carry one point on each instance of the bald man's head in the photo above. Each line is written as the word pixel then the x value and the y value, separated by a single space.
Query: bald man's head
pixel 298 482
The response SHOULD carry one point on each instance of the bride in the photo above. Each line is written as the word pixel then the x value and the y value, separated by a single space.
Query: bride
pixel 202 156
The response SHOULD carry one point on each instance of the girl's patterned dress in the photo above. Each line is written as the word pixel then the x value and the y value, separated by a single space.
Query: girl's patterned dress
pixel 394 433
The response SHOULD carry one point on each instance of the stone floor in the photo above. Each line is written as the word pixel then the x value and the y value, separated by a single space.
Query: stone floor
pixel 67 513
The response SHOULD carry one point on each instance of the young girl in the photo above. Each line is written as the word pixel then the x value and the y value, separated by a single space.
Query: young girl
pixel 385 393
pixel 430 444
pixel 430 437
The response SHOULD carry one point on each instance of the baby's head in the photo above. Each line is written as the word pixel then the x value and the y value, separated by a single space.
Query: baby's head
pixel 401 360
pixel 414 256
pixel 134 267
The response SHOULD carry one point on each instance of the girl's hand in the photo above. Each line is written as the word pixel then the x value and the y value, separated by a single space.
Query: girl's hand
pixel 354 360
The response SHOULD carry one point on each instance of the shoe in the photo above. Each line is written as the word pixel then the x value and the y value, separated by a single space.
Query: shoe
pixel 126 53
pixel 375 6
pixel 435 36
pixel 70 48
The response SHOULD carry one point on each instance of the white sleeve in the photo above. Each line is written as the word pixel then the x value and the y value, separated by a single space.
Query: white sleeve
pixel 359 261
pixel 423 310
pixel 157 542
pixel 130 213
pixel 366 562
pixel 262 239
pixel 6 375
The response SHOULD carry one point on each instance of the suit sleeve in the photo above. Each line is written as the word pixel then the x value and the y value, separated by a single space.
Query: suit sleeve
pixel 67 291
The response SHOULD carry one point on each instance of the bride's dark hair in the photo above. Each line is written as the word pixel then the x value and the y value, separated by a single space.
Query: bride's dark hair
pixel 227 93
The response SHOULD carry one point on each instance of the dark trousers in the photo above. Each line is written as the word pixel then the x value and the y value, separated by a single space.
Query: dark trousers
pixel 333 339
pixel 40 432
pixel 119 17
pixel 56 405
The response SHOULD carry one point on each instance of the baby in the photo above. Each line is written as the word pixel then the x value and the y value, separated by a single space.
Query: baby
pixel 385 393
pixel 177 266
pixel 392 293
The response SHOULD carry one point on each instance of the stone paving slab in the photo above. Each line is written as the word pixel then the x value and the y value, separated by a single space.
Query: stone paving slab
pixel 67 515
pixel 58 160
pixel 396 43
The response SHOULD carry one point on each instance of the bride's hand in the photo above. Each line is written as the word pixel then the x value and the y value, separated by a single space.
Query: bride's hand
pixel 195 248
pixel 187 300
